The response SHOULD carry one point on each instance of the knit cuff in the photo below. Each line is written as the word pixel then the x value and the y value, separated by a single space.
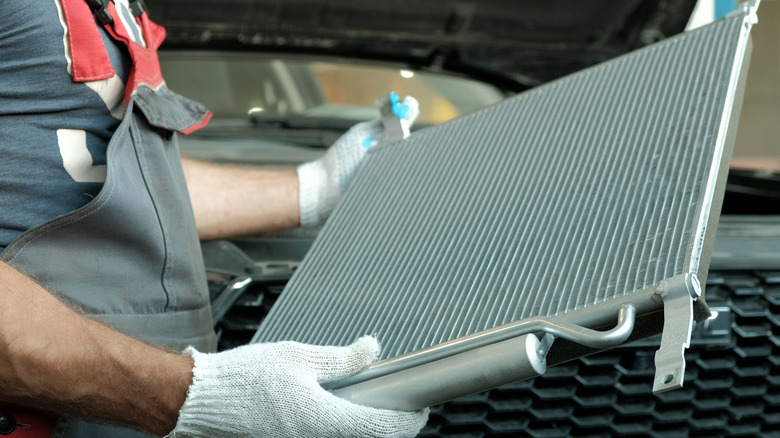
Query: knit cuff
pixel 312 177
pixel 204 402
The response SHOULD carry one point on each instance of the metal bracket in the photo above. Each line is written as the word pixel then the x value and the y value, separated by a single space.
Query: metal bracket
pixel 678 294
pixel 227 297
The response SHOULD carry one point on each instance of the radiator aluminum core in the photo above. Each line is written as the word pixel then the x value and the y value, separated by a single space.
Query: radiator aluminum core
pixel 577 193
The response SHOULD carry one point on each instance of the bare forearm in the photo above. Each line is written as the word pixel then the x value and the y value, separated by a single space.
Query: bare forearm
pixel 54 359
pixel 230 201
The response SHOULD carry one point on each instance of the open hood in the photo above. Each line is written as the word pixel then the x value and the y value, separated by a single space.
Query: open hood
pixel 513 44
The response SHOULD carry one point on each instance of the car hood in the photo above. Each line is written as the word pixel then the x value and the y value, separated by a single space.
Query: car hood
pixel 513 44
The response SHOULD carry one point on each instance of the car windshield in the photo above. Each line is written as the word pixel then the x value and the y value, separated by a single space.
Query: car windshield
pixel 244 89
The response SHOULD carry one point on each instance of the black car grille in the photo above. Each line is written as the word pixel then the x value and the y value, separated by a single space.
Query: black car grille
pixel 732 377
pixel 732 383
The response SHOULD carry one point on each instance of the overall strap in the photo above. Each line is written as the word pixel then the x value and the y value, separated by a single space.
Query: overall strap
pixel 91 62
pixel 88 55
pixel 146 66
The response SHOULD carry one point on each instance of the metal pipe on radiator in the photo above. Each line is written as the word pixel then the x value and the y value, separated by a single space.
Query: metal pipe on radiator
pixel 470 372
pixel 539 325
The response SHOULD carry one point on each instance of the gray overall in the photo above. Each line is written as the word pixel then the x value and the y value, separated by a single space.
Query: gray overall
pixel 131 257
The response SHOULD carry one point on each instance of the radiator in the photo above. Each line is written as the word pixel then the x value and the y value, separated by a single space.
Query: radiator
pixel 590 202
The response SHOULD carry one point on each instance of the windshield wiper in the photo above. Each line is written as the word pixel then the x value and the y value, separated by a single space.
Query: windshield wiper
pixel 294 121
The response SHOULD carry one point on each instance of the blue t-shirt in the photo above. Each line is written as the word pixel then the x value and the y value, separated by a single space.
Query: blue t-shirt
pixel 53 131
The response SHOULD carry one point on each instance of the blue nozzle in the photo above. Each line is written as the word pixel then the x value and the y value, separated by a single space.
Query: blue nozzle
pixel 399 109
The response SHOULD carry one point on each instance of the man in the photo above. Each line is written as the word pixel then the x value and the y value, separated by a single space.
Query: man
pixel 99 240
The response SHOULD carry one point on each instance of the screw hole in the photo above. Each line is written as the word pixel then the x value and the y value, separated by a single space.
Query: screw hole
pixel 668 379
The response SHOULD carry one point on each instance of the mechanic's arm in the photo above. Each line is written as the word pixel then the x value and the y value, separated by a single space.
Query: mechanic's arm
pixel 54 359
pixel 231 201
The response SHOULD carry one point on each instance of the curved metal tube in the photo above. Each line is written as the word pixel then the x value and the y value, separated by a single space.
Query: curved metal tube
pixel 593 338
pixel 547 325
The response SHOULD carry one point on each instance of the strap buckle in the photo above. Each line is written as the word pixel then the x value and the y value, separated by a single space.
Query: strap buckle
pixel 100 9
pixel 137 7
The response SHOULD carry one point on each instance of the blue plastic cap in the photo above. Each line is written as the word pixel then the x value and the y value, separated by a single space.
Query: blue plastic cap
pixel 399 109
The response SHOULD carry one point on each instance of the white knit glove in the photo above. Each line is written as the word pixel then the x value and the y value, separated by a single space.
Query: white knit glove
pixel 271 390
pixel 322 182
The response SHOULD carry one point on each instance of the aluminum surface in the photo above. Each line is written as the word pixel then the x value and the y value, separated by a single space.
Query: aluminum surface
pixel 577 192
pixel 537 325
pixel 466 373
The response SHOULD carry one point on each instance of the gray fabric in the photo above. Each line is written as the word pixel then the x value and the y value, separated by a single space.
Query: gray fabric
pixel 125 251
pixel 131 257
pixel 132 250
pixel 38 97
pixel 74 428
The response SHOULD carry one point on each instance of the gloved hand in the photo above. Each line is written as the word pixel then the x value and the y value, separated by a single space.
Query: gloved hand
pixel 322 182
pixel 271 390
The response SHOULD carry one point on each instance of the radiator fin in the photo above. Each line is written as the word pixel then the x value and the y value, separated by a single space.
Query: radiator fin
pixel 573 193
